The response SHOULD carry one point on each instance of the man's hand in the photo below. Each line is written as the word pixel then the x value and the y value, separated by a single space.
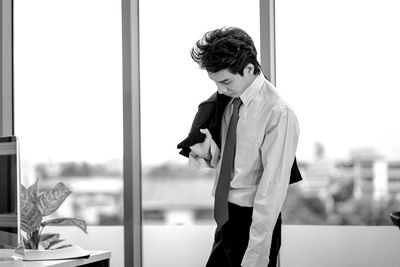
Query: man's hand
pixel 202 149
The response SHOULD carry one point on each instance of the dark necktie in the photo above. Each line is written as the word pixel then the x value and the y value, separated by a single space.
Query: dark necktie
pixel 222 191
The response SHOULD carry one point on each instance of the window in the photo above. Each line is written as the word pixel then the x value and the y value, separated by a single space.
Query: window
pixel 337 65
pixel 171 87
pixel 68 102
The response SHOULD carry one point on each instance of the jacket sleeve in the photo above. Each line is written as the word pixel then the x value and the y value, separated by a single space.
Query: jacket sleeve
pixel 204 115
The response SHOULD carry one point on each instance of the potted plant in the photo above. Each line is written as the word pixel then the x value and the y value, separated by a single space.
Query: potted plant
pixel 35 206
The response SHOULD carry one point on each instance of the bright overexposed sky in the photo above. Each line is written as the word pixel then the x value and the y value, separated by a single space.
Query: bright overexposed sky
pixel 337 66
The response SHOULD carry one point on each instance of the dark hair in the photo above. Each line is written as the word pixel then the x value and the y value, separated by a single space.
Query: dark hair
pixel 226 48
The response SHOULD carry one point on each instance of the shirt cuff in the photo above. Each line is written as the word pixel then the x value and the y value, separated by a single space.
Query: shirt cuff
pixel 215 154
pixel 253 259
pixel 257 255
pixel 197 163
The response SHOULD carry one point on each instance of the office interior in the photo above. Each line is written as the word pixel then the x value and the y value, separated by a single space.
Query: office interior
pixel 99 92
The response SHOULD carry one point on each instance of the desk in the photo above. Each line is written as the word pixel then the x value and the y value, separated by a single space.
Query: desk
pixel 97 259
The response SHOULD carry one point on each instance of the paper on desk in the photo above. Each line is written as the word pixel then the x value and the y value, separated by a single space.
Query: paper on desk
pixel 72 252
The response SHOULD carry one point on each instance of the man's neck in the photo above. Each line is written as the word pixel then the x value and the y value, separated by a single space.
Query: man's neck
pixel 251 80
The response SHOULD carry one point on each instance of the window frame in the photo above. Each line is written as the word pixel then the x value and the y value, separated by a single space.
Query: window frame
pixel 6 69
pixel 267 39
pixel 131 134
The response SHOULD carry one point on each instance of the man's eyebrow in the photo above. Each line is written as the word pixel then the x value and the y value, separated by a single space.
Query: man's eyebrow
pixel 224 81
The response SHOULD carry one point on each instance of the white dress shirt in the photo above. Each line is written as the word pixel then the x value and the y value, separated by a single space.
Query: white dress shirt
pixel 267 136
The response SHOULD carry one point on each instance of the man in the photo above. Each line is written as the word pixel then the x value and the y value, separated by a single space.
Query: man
pixel 259 135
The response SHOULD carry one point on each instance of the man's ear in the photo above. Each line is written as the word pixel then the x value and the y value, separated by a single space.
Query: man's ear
pixel 249 68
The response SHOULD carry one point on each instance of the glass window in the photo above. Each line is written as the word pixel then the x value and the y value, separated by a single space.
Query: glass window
pixel 68 102
pixel 337 63
pixel 172 86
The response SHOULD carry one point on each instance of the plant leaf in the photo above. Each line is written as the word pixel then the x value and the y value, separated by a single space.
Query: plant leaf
pixel 56 242
pixel 81 224
pixel 47 239
pixel 27 244
pixel 64 246
pixel 52 198
pixel 32 244
pixel 31 216
pixel 47 236
pixel 33 191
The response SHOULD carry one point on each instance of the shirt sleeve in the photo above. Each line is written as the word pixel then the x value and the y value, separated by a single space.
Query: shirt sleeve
pixel 200 163
pixel 278 152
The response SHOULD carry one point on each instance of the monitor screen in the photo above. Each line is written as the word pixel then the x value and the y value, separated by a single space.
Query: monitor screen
pixel 9 192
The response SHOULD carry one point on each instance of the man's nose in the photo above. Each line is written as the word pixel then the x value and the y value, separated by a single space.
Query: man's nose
pixel 221 89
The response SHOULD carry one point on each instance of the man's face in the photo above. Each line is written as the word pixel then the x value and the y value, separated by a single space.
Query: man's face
pixel 232 85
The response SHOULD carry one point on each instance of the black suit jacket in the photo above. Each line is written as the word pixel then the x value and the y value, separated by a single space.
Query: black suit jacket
pixel 209 115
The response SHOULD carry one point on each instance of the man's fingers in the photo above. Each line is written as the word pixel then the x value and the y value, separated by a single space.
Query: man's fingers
pixel 206 132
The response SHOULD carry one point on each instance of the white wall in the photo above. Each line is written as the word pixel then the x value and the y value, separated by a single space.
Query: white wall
pixel 310 246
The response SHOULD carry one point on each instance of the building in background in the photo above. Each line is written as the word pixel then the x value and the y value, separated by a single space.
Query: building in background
pixel 331 192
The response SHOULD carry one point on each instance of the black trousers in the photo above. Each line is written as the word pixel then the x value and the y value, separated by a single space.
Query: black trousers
pixel 230 242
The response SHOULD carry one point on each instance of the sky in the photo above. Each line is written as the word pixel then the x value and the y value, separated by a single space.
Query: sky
pixel 337 66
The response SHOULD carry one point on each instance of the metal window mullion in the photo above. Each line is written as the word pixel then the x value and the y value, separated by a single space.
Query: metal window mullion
pixel 6 69
pixel 131 134
pixel 267 38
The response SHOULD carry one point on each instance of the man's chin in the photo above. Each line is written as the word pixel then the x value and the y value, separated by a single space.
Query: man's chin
pixel 230 95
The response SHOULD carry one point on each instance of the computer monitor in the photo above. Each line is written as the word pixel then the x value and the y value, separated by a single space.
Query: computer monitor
pixel 9 192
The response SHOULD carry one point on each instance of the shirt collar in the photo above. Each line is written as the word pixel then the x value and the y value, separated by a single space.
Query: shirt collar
pixel 253 89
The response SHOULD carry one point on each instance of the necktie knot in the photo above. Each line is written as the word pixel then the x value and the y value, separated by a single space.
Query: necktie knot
pixel 236 103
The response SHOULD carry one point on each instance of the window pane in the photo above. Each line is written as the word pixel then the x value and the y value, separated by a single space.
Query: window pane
pixel 338 65
pixel 68 93
pixel 68 106
pixel 172 86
